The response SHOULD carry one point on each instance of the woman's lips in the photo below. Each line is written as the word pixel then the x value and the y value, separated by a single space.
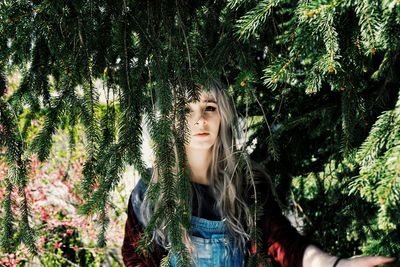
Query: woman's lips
pixel 201 134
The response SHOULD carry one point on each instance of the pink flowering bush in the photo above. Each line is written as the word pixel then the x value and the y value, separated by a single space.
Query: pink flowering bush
pixel 63 237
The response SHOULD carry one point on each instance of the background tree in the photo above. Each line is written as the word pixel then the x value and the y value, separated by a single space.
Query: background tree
pixel 329 71
pixel 311 76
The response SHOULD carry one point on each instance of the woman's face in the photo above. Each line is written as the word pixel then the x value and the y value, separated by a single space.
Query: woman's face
pixel 203 121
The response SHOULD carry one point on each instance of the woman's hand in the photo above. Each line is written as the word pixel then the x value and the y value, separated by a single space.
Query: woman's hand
pixel 364 261
pixel 315 257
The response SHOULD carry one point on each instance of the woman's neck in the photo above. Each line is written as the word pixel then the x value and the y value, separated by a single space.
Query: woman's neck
pixel 199 161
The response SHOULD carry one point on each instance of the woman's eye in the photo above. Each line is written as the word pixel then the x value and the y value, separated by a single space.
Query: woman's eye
pixel 210 108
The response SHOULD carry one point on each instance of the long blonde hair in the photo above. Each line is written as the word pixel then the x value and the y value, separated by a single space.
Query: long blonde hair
pixel 226 170
pixel 230 175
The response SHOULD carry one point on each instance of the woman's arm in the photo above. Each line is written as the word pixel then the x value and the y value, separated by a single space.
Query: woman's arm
pixel 287 247
pixel 133 230
pixel 290 249
pixel 315 257
pixel 282 242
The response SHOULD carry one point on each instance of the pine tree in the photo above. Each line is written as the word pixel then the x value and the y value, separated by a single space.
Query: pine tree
pixel 330 70
pixel 311 76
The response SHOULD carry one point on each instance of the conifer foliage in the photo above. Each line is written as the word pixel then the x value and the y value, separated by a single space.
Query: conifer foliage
pixel 319 79
pixel 332 69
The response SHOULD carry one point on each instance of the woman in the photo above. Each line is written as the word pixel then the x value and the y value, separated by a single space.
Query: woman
pixel 221 217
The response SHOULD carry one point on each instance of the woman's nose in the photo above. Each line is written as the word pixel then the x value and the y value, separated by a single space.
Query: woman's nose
pixel 201 120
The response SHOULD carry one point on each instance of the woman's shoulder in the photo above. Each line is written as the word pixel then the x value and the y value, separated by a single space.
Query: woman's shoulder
pixel 258 180
pixel 138 192
pixel 255 172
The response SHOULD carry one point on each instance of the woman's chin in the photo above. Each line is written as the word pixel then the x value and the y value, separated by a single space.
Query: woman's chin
pixel 200 146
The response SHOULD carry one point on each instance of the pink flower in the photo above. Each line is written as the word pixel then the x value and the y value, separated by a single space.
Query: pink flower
pixel 70 231
pixel 58 245
pixel 9 261
pixel 42 196
pixel 42 239
pixel 75 248
pixel 44 215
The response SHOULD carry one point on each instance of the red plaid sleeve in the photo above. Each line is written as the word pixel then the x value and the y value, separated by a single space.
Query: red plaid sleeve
pixel 281 240
pixel 133 231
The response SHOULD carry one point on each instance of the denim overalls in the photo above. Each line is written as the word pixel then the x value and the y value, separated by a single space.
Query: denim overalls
pixel 212 246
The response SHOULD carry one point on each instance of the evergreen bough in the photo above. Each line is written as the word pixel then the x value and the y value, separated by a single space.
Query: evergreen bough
pixel 318 73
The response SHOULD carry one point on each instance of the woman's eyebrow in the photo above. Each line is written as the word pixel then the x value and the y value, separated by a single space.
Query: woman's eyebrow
pixel 209 101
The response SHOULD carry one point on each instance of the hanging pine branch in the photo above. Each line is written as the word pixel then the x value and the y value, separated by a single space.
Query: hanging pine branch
pixel 321 71
pixel 370 24
pixel 16 180
pixel 255 18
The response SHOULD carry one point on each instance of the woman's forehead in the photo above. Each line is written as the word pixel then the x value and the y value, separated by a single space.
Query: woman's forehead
pixel 207 97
